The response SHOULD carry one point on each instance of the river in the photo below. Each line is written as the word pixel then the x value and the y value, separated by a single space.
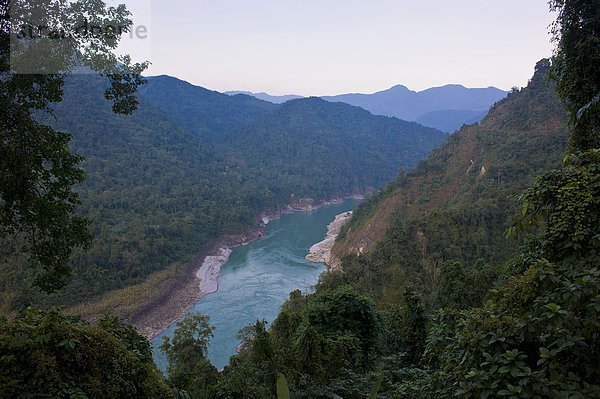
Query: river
pixel 258 278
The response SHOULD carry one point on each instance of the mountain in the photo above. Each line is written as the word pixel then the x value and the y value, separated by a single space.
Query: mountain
pixel 155 191
pixel 199 110
pixel 333 146
pixel 445 108
pixel 452 105
pixel 191 165
pixel 266 97
pixel 456 204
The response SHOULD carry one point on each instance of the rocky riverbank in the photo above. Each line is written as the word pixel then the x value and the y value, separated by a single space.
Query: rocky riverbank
pixel 321 251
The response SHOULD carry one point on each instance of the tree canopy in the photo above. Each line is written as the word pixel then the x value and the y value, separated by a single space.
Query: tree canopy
pixel 37 169
pixel 575 68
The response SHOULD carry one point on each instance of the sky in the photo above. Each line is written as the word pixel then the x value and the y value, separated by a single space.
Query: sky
pixel 327 47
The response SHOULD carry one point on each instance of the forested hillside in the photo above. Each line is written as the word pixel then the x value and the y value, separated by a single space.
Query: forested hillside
pixel 197 165
pixel 456 204
pixel 430 308
pixel 323 148
pixel 204 112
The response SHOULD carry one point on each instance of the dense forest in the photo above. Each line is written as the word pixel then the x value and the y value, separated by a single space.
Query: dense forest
pixel 483 303
pixel 208 114
pixel 158 188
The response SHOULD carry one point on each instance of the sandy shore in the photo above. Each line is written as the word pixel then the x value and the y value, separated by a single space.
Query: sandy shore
pixel 209 272
pixel 321 251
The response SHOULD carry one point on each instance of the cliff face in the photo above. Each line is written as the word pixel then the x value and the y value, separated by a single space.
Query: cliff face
pixel 465 182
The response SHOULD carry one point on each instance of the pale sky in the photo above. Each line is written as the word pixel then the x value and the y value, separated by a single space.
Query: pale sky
pixel 328 47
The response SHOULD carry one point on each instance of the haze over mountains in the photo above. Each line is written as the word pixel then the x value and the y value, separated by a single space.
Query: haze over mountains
pixel 446 108
pixel 266 97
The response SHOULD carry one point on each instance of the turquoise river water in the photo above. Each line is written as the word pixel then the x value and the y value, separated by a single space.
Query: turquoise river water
pixel 259 276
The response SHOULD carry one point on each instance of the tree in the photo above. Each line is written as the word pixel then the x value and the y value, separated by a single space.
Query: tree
pixel 575 68
pixel 344 313
pixel 188 367
pixel 568 201
pixel 415 325
pixel 37 169
pixel 450 289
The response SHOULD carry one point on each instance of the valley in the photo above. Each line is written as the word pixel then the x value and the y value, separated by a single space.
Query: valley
pixel 161 239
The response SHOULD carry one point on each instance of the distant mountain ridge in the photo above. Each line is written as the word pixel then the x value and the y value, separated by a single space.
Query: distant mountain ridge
pixel 266 97
pixel 446 108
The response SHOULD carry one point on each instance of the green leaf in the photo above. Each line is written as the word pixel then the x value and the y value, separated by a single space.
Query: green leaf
pixel 554 307
pixel 69 343
pixel 42 339
pixel 589 108
pixel 283 391
pixel 373 393
pixel 21 337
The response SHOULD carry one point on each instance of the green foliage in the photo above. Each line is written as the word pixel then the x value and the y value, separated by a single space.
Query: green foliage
pixel 451 286
pixel 373 393
pixel 260 350
pixel 302 139
pixel 186 353
pixel 37 201
pixel 537 337
pixel 588 110
pixel 325 340
pixel 404 331
pixel 204 113
pixel 414 326
pixel 569 200
pixel 47 354
pixel 577 33
pixel 38 171
pixel 343 312
pixel 461 288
